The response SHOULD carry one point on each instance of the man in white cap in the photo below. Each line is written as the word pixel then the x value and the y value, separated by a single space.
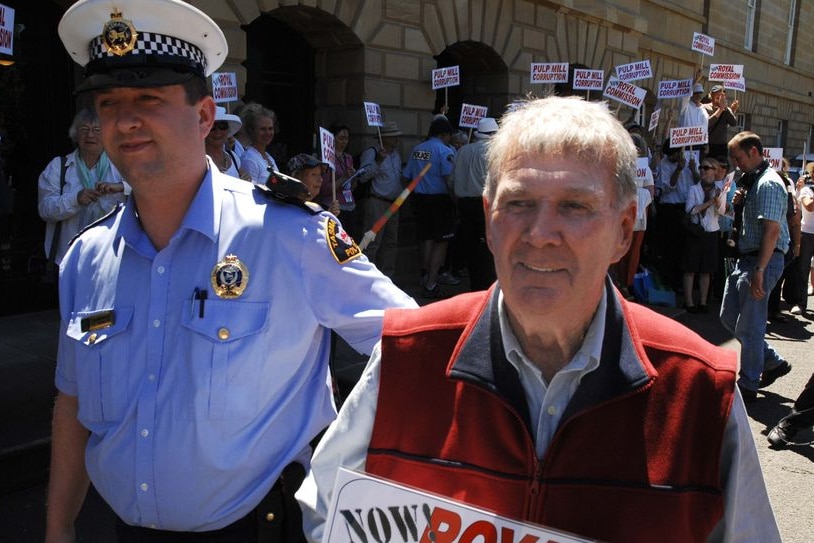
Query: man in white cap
pixel 469 177
pixel 692 111
pixel 193 354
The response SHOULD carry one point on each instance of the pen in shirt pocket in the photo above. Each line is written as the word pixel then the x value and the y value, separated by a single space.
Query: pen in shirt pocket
pixel 199 295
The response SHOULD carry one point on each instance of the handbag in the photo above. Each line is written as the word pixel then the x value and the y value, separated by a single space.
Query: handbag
pixel 693 227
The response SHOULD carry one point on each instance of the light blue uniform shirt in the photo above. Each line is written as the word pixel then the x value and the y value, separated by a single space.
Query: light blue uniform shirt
pixel 192 419
pixel 440 156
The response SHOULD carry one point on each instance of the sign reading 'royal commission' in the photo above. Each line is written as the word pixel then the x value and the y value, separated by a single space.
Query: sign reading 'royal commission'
pixel 6 30
pixel 368 509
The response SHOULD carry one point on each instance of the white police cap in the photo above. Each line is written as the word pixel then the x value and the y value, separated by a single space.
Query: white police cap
pixel 141 43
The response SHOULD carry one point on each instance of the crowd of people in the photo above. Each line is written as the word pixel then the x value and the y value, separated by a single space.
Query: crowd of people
pixel 193 370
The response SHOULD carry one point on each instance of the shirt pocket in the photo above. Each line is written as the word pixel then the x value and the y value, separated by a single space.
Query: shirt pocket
pixel 102 365
pixel 227 356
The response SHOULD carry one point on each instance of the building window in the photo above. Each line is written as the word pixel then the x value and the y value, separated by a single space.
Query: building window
pixel 751 19
pixel 791 36
pixel 743 122
pixel 780 135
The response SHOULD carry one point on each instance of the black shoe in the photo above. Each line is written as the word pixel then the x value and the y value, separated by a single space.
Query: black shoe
pixel 772 375
pixel 778 317
pixel 703 308
pixel 690 309
pixel 749 396
pixel 432 293
pixel 781 435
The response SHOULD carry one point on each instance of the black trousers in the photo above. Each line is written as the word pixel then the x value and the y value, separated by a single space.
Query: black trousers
pixel 472 234
pixel 276 519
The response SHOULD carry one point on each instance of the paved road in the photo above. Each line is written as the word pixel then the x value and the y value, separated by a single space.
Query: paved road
pixel 27 347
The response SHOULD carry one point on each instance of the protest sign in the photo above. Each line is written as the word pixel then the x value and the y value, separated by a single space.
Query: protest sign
pixel 328 154
pixel 738 85
pixel 372 509
pixel 674 88
pixel 624 92
pixel 446 77
pixel 224 87
pixel 471 114
pixel 654 120
pixel 6 30
pixel 703 44
pixel 693 157
pixel 685 136
pixel 374 114
pixel 588 79
pixel 775 157
pixel 549 72
pixel 725 72
pixel 642 165
pixel 634 71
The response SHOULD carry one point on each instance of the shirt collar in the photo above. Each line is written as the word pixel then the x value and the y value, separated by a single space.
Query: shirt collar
pixel 586 358
pixel 202 216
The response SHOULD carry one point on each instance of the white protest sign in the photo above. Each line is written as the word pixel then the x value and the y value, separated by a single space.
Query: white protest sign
pixel 224 87
pixel 6 30
pixel 725 72
pixel 686 136
pixel 654 120
pixel 775 157
pixel 374 114
pixel 364 508
pixel 703 44
pixel 588 79
pixel 674 88
pixel 549 72
pixel 634 71
pixel 692 156
pixel 446 77
pixel 738 85
pixel 642 165
pixel 326 141
pixel 627 93
pixel 471 114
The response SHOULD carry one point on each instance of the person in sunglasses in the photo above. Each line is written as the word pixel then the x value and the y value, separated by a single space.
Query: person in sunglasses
pixel 225 159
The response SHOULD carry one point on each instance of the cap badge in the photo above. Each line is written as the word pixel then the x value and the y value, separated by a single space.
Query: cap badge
pixel 230 277
pixel 119 35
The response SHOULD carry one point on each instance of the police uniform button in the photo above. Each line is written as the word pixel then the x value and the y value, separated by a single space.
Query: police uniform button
pixel 92 338
pixel 224 333
pixel 270 517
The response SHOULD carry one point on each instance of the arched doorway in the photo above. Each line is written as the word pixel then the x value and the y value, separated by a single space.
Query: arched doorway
pixel 484 79
pixel 301 63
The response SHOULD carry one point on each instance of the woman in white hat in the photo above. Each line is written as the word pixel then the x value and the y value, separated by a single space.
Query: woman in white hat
pixel 225 125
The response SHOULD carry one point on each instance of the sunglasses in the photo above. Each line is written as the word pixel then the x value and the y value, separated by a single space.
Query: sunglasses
pixel 220 125
pixel 705 167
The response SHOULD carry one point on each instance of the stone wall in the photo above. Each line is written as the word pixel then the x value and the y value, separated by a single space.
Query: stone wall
pixel 400 39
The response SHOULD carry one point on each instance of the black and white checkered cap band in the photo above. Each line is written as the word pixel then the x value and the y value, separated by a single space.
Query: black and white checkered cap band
pixel 150 43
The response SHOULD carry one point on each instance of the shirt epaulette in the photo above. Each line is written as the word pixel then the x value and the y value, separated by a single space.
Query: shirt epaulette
pixel 98 221
pixel 311 207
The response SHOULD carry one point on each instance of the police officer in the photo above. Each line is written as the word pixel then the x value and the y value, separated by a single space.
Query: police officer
pixel 193 354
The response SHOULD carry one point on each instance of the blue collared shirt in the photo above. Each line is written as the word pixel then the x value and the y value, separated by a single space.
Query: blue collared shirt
pixel 766 200
pixel 192 416
pixel 440 156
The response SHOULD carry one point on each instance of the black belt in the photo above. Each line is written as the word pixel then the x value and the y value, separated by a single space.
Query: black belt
pixel 757 253
pixel 374 195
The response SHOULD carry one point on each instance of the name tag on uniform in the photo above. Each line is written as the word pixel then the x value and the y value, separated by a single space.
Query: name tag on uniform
pixel 98 321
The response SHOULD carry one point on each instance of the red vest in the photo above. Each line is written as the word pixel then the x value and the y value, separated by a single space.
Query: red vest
pixel 636 456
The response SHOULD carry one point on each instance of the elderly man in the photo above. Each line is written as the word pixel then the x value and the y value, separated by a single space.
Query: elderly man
pixel 549 398
pixel 193 354
pixel 762 243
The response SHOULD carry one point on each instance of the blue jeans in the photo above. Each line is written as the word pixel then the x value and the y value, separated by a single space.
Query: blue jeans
pixel 746 317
